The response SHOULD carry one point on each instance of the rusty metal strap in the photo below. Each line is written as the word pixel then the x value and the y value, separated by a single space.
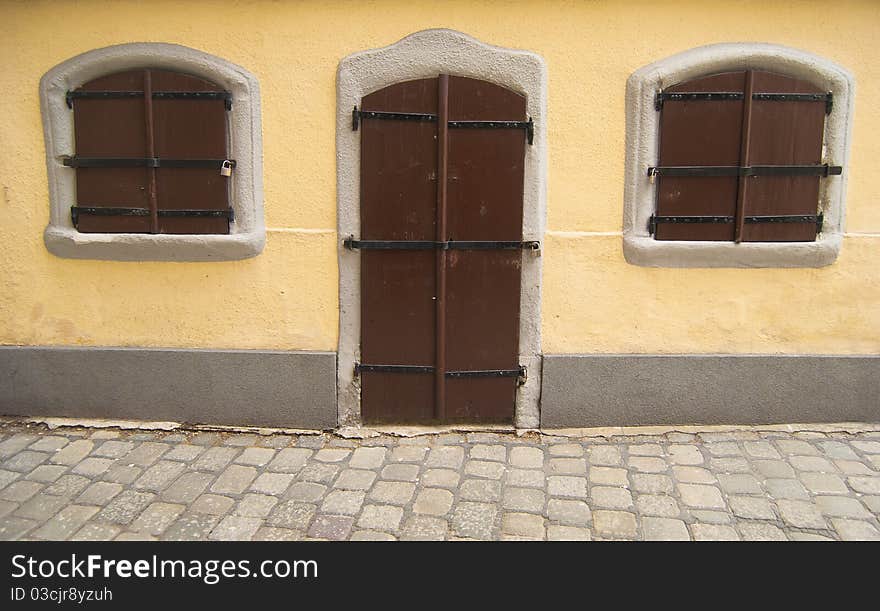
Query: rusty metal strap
pixel 358 115
pixel 528 126
pixel 168 95
pixel 817 219
pixel 714 96
pixel 519 373
pixel 143 162
pixel 361 368
pixel 77 211
pixel 353 244
pixel 488 373
pixel 664 96
pixel 755 170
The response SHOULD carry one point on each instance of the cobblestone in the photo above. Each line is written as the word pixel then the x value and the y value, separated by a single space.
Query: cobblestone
pixel 422 528
pixel 272 483
pixel 665 529
pixel 620 524
pixel 754 485
pixel 571 513
pixel 714 532
pixel 474 520
pixel 567 533
pixel 433 501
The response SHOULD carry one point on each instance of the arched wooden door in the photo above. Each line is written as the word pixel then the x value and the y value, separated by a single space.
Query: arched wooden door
pixel 441 250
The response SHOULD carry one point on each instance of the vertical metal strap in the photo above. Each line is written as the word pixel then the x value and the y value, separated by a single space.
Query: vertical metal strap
pixel 440 301
pixel 744 157
pixel 151 152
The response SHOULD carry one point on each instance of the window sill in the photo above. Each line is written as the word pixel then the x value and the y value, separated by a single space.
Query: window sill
pixel 69 243
pixel 648 252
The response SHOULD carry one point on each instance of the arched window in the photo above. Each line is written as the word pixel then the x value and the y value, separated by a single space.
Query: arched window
pixel 153 153
pixel 736 158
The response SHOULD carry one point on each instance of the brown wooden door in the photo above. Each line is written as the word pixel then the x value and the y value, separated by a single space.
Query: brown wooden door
pixel 441 250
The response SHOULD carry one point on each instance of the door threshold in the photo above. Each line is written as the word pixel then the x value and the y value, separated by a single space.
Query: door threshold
pixel 416 430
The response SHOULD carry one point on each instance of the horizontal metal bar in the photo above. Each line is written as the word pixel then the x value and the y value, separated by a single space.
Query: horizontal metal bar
pixel 357 115
pixel 177 95
pixel 715 96
pixel 476 373
pixel 528 126
pixel 142 162
pixel 361 367
pixel 785 218
pixel 750 220
pixel 77 211
pixel 828 98
pixel 488 373
pixel 351 243
pixel 228 213
pixel 657 219
pixel 489 245
pixel 755 170
pixel 702 96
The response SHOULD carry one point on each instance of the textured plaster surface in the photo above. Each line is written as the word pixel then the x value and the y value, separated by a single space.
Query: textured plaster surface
pixel 240 387
pixel 642 142
pixel 637 390
pixel 247 233
pixel 425 54
pixel 287 298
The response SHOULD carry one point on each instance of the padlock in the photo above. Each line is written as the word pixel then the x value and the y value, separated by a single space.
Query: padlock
pixel 226 168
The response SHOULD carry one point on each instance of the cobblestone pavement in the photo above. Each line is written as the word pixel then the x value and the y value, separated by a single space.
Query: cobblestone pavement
pixel 91 484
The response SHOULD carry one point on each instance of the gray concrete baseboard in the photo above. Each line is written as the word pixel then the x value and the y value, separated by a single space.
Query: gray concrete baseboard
pixel 634 390
pixel 235 387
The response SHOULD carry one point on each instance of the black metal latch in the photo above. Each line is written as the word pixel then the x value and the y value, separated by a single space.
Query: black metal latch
pixel 655 220
pixel 77 211
pixel 144 162
pixel 226 96
pixel 823 170
pixel 519 373
pixel 715 96
pixel 353 244
pixel 358 115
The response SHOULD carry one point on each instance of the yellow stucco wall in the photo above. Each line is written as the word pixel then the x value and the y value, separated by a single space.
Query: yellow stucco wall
pixel 286 298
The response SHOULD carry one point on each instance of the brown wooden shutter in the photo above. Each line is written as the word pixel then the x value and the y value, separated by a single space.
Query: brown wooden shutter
pixel 108 128
pixel 783 133
pixel 149 149
pixel 740 158
pixel 700 132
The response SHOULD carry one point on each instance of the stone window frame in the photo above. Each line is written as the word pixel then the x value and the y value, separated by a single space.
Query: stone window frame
pixel 247 234
pixel 642 140
pixel 422 55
